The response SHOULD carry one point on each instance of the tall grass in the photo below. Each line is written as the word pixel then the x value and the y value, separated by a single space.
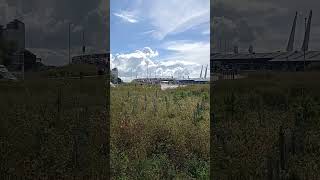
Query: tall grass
pixel 52 127
pixel 267 126
pixel 159 134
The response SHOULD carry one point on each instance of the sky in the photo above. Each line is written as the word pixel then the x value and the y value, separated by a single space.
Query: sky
pixel 47 24
pixel 265 24
pixel 159 37
pixel 171 34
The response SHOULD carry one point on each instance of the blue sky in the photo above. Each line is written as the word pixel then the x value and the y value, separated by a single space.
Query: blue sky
pixel 169 37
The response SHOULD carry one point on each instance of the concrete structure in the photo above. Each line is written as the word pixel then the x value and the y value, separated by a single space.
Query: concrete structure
pixel 305 46
pixel 115 76
pixel 269 61
pixel 292 35
pixel 115 73
pixel 15 33
pixel 90 59
pixel 25 57
pixel 288 60
pixel 100 60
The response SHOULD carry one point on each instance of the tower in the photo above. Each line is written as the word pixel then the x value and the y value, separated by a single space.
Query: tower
pixel 205 74
pixel 292 35
pixel 15 32
pixel 201 71
pixel 305 45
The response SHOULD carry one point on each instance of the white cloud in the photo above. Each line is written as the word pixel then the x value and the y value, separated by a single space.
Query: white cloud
pixel 206 32
pixel 127 16
pixel 148 32
pixel 184 61
pixel 168 17
pixel 175 16
pixel 181 58
pixel 188 51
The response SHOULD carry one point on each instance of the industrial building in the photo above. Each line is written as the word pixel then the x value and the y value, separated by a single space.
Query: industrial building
pixel 100 60
pixel 288 60
pixel 90 59
pixel 14 33
pixel 115 76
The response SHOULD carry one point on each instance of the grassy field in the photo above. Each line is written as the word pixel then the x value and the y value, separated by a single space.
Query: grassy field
pixel 267 126
pixel 53 127
pixel 72 70
pixel 264 126
pixel 160 134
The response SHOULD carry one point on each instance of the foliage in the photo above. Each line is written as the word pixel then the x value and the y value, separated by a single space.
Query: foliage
pixel 52 127
pixel 72 70
pixel 264 122
pixel 156 135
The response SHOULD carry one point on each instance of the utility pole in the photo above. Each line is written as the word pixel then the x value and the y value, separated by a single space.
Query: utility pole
pixel 225 46
pixel 69 43
pixel 147 70
pixel 304 48
pixel 84 44
pixel 22 55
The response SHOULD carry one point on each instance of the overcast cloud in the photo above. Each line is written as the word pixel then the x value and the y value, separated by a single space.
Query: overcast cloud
pixel 47 26
pixel 266 24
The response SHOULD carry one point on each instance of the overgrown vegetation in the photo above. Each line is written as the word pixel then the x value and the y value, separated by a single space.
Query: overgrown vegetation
pixel 72 70
pixel 53 127
pixel 267 127
pixel 160 134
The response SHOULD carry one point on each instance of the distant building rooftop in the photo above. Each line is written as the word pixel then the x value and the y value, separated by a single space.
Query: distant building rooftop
pixel 272 57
